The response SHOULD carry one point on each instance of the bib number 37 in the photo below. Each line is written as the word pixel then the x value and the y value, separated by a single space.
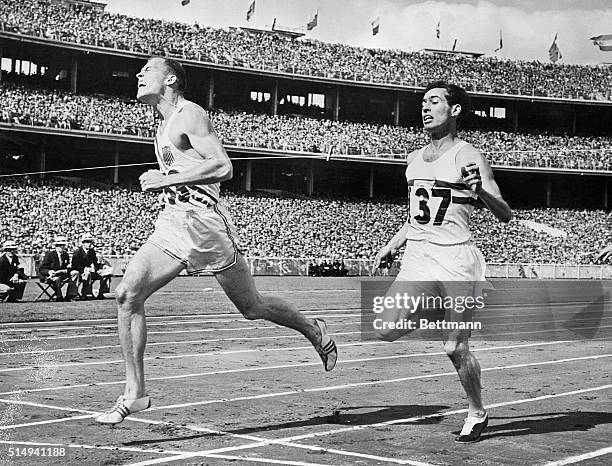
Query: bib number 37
pixel 422 204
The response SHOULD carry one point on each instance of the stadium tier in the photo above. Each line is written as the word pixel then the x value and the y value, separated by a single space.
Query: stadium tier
pixel 244 49
pixel 53 108
pixel 272 226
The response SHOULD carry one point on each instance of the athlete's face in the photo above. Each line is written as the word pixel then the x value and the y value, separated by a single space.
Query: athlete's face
pixel 435 110
pixel 151 80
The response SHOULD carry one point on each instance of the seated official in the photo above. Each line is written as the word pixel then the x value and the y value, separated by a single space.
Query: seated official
pixel 55 270
pixel 12 278
pixel 85 262
pixel 106 272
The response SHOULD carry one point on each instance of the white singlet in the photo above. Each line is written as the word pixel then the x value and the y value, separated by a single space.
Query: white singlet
pixel 173 160
pixel 440 204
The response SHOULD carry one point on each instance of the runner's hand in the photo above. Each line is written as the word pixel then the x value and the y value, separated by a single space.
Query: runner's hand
pixel 471 177
pixel 384 258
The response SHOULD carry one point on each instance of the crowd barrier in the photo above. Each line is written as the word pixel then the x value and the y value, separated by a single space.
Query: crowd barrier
pixel 288 266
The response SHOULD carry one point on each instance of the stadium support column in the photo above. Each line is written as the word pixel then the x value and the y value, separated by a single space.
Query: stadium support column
pixel 371 184
pixel 42 162
pixel 607 194
pixel 116 164
pixel 396 110
pixel 74 73
pixel 574 118
pixel 274 99
pixel 0 63
pixel 548 192
pixel 248 175
pixel 210 98
pixel 310 179
pixel 516 119
pixel 336 105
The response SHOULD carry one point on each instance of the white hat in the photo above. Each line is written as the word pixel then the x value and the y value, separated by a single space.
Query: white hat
pixel 87 237
pixel 10 245
pixel 60 240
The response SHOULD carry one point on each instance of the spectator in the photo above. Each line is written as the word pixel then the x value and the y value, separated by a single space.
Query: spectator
pixel 238 48
pixel 121 116
pixel 12 278
pixel 85 262
pixel 55 270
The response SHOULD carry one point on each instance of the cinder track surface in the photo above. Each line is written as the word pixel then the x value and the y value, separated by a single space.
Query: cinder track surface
pixel 226 390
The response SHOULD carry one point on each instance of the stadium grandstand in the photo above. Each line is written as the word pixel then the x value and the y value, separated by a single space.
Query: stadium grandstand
pixel 318 133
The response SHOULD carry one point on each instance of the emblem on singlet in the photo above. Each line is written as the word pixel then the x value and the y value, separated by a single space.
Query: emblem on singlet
pixel 167 155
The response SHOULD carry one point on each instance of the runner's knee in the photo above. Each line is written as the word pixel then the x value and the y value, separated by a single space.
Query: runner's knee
pixel 455 349
pixel 253 309
pixel 128 296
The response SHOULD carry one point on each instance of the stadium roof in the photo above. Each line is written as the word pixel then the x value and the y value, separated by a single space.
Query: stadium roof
pixel 87 3
pixel 280 30
pixel 452 52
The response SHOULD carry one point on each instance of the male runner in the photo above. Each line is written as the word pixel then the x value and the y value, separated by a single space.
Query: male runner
pixel 193 232
pixel 445 178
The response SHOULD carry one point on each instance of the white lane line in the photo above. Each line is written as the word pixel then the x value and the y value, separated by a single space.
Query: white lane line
pixel 152 324
pixel 174 332
pixel 365 384
pixel 579 458
pixel 220 353
pixel 166 316
pixel 209 453
pixel 254 459
pixel 165 332
pixel 443 414
pixel 489 309
pixel 289 441
pixel 289 392
pixel 262 368
pixel 158 451
pixel 327 316
pixel 240 319
pixel 276 327
pixel 181 342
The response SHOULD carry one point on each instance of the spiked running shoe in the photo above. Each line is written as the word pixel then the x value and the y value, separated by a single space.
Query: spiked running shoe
pixel 123 408
pixel 327 348
pixel 472 428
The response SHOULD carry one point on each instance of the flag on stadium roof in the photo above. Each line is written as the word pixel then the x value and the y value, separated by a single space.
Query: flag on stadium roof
pixel 454 44
pixel 554 52
pixel 313 21
pixel 604 42
pixel 185 2
pixel 375 25
pixel 438 30
pixel 250 11
pixel 501 42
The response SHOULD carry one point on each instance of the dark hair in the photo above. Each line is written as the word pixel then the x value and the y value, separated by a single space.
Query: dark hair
pixel 177 70
pixel 454 95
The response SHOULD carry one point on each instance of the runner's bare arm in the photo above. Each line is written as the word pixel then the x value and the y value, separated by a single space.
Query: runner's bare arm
pixel 387 253
pixel 197 133
pixel 478 175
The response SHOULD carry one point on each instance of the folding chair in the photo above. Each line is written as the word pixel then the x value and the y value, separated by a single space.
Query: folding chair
pixel 45 289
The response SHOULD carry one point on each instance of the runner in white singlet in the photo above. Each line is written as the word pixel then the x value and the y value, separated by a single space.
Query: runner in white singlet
pixel 445 178
pixel 193 232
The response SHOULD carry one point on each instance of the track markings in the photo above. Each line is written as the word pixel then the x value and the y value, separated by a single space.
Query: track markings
pixel 579 458
pixel 289 392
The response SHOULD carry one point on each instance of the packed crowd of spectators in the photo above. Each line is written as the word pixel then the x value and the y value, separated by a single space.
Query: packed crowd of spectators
pixel 240 48
pixel 32 213
pixel 54 108
pixel 60 109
